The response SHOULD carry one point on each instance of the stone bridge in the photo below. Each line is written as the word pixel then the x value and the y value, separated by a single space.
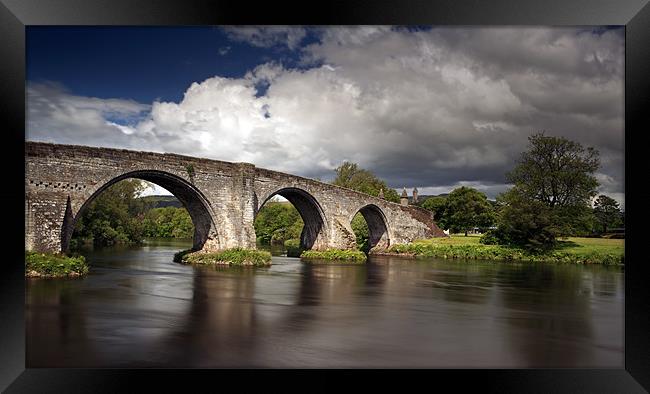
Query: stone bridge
pixel 222 198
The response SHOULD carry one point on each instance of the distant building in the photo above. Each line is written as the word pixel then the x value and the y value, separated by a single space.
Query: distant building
pixel 404 200
pixel 415 195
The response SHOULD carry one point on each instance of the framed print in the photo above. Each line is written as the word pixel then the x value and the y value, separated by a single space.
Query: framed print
pixel 354 186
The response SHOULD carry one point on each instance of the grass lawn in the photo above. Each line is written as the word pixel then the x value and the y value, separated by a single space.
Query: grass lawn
pixel 571 250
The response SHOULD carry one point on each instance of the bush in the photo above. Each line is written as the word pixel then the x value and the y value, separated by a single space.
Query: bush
pixel 235 256
pixel 334 254
pixel 439 249
pixel 490 238
pixel 525 223
pixel 293 247
pixel 48 265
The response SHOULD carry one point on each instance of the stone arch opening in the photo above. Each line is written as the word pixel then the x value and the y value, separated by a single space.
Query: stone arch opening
pixel 378 235
pixel 312 235
pixel 192 199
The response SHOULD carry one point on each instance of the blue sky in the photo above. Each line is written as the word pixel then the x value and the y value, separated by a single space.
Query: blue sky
pixel 419 106
pixel 142 63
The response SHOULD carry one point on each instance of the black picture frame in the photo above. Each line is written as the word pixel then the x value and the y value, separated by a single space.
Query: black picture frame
pixel 16 14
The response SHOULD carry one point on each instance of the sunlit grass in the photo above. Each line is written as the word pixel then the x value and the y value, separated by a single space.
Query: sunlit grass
pixel 568 250
pixel 334 254
pixel 234 257
pixel 48 265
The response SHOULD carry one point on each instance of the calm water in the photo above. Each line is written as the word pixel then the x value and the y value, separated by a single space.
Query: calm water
pixel 139 309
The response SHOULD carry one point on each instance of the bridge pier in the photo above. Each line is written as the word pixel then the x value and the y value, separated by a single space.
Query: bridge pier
pixel 222 199
pixel 45 221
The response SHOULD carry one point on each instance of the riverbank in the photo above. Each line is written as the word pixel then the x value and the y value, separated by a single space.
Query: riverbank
pixel 569 250
pixel 49 265
pixel 234 257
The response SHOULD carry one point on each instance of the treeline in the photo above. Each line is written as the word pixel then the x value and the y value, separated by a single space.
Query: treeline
pixel 119 215
pixel 553 195
pixel 467 209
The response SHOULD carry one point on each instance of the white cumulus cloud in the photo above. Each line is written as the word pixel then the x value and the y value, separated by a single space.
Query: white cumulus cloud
pixel 432 109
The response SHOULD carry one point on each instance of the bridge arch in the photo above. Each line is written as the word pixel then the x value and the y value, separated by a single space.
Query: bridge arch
pixel 193 200
pixel 378 230
pixel 315 223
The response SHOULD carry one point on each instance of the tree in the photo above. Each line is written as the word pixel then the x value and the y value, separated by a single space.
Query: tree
pixel 168 222
pixel 114 216
pixel 277 222
pixel 524 222
pixel 559 173
pixel 467 208
pixel 436 205
pixel 351 176
pixel 361 232
pixel 553 185
pixel 607 211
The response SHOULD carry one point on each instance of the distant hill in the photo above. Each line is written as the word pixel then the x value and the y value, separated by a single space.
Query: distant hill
pixel 423 197
pixel 161 201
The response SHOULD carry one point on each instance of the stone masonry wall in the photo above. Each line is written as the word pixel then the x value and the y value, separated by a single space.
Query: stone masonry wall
pixel 222 197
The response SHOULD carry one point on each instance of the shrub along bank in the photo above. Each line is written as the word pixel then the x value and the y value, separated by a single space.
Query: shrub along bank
pixel 233 257
pixel 293 247
pixel 48 265
pixel 571 250
pixel 334 254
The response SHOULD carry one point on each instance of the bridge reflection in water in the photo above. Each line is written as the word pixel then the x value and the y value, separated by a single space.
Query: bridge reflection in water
pixel 138 309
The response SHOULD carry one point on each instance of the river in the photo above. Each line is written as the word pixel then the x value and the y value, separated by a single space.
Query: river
pixel 137 308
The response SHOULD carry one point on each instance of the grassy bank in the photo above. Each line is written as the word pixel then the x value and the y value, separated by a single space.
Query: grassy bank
pixel 235 257
pixel 569 250
pixel 334 254
pixel 48 265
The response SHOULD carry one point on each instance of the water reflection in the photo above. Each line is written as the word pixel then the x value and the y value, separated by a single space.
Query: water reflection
pixel 570 325
pixel 137 308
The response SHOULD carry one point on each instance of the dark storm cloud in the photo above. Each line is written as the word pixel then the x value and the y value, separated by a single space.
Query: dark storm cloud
pixel 431 108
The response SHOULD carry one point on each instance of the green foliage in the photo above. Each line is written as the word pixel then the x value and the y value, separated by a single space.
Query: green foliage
pixel 556 172
pixel 436 205
pixel 120 215
pixel 525 222
pixel 576 250
pixel 114 216
pixel 190 170
pixel 151 202
pixel 277 222
pixel 361 232
pixel 293 247
pixel 334 254
pixel 554 183
pixel 351 176
pixel 607 212
pixel 490 238
pixel 466 208
pixel 49 265
pixel 168 222
pixel 232 257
